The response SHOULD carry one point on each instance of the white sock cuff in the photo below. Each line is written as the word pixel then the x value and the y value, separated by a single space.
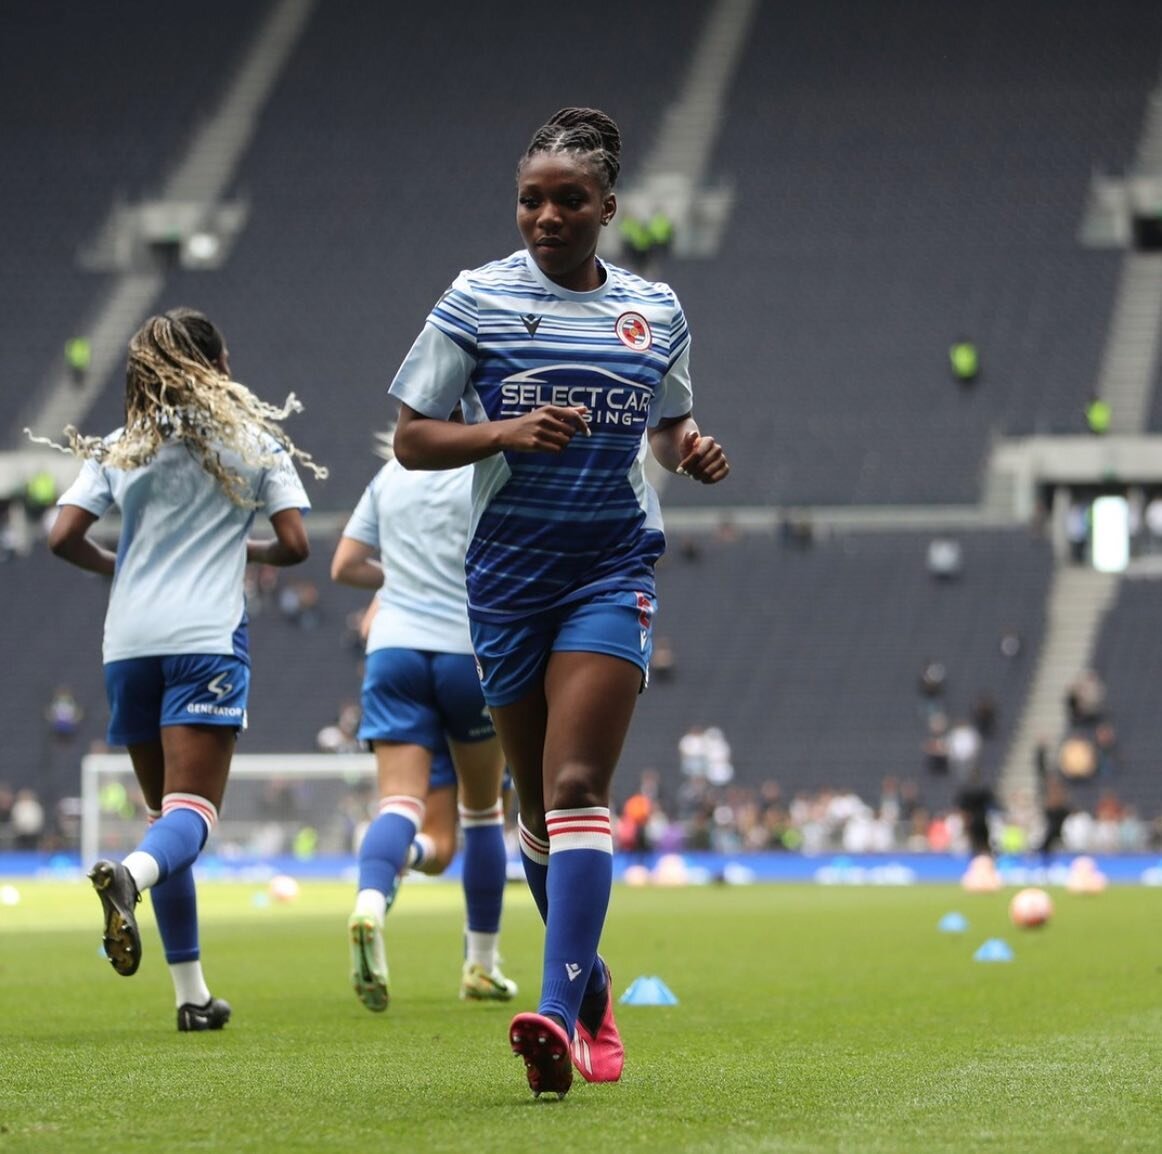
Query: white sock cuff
pixel 586 828
pixel 206 810
pixel 403 806
pixel 421 853
pixel 532 846
pixel 471 818
pixel 151 815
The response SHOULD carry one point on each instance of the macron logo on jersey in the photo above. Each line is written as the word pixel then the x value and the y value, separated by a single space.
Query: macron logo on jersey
pixel 532 322
pixel 219 686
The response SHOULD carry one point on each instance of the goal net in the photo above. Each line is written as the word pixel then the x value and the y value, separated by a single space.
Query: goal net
pixel 305 804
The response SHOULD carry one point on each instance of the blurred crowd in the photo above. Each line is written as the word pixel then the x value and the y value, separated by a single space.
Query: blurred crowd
pixel 735 819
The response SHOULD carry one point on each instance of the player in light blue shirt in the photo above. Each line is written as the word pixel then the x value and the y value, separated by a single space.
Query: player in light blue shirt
pixel 425 718
pixel 198 458
pixel 568 370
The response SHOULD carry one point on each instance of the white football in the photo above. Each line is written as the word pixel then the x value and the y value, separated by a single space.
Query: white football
pixel 1030 908
pixel 283 888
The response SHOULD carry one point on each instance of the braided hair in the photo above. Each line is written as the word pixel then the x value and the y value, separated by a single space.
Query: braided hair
pixel 585 131
pixel 174 390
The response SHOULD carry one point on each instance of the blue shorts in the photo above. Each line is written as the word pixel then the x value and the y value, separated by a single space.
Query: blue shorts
pixel 419 698
pixel 511 658
pixel 147 694
pixel 443 775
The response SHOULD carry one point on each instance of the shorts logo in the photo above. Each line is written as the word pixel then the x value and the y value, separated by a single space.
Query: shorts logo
pixel 645 615
pixel 633 331
pixel 219 687
pixel 479 668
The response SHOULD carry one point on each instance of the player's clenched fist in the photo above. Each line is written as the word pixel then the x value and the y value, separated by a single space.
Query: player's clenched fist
pixel 545 430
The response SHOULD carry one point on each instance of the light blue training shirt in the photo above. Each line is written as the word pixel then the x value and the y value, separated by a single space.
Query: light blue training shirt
pixel 181 558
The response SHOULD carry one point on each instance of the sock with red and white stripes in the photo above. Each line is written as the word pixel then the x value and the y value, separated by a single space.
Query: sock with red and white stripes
pixel 175 909
pixel 173 841
pixel 534 856
pixel 580 876
pixel 383 856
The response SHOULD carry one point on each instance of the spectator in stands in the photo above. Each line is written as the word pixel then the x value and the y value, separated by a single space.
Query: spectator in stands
pixel 933 679
pixel 79 358
pixel 564 644
pixel 1152 519
pixel 693 759
pixel 63 714
pixel 719 761
pixel 425 718
pixel 298 602
pixel 1055 810
pixel 341 735
pixel 984 714
pixel 1098 415
pixel 976 802
pixel 1077 531
pixel 7 799
pixel 1085 699
pixel 935 745
pixel 663 662
pixel 1105 743
pixel 964 358
pixel 26 819
pixel 646 241
pixel 964 746
pixel 199 455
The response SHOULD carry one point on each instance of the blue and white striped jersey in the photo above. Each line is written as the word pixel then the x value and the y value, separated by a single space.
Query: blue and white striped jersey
pixel 549 528
pixel 178 583
pixel 419 524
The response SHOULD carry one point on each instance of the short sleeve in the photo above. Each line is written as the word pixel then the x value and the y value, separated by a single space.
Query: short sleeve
pixel 675 396
pixel 436 371
pixel 281 487
pixel 91 490
pixel 363 524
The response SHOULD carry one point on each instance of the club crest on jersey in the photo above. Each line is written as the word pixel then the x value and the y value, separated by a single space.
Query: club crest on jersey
pixel 633 330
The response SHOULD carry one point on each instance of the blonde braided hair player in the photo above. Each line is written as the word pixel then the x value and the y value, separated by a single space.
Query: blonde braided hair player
pixel 198 458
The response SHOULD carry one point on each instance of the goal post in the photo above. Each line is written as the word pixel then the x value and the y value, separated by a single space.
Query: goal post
pixel 271 800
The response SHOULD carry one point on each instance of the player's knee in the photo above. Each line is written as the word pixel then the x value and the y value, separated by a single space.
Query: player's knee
pixel 579 786
pixel 444 850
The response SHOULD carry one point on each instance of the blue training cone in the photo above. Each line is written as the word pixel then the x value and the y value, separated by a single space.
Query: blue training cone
pixel 994 950
pixel 648 992
pixel 952 923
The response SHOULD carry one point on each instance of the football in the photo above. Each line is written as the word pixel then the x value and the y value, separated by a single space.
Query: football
pixel 1030 908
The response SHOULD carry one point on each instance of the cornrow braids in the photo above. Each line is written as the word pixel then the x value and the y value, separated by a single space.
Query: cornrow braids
pixel 583 130
pixel 174 392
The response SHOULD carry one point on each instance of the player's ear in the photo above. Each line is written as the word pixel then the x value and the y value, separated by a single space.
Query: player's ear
pixel 608 208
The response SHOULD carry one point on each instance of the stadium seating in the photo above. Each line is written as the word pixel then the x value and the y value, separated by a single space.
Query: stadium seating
pixel 371 187
pixel 885 204
pixel 889 202
pixel 809 657
pixel 99 103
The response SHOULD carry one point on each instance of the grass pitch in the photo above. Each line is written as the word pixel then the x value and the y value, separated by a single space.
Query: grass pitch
pixel 809 1020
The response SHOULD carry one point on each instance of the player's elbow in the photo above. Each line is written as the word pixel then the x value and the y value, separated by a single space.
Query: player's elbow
pixel 407 453
pixel 297 551
pixel 61 543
